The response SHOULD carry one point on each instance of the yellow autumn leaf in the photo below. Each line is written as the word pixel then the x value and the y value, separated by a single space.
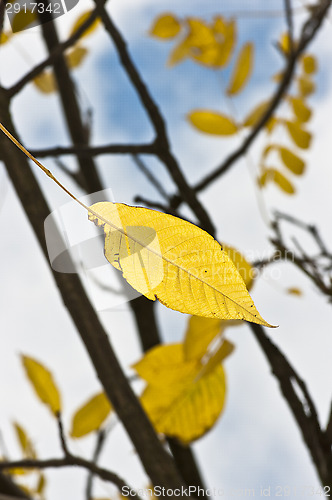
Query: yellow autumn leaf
pixel 292 161
pixel 294 291
pixel 211 122
pixel 256 114
pixel 271 174
pixel 301 110
pixel 166 258
pixel 166 26
pixel 81 20
pixel 25 442
pixel 306 86
pixel 185 407
pixel 76 56
pixel 23 19
pixel 309 63
pixel 43 383
pixel 301 137
pixel 45 82
pixel 90 416
pixel 199 335
pixel 243 69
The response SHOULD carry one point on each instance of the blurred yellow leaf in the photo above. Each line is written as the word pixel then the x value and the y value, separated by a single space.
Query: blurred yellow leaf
pixel 43 383
pixel 75 57
pixel 186 407
pixel 309 63
pixel 243 69
pixel 25 442
pixel 294 291
pixel 45 82
pixel 90 416
pixel 167 258
pixel 271 174
pixel 301 110
pixel 23 19
pixel 256 114
pixel 306 86
pixel 199 334
pixel 81 20
pixel 165 26
pixel 292 161
pixel 211 122
pixel 301 137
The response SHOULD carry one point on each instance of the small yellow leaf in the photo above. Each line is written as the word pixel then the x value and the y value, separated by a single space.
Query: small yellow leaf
pixel 45 82
pixel 166 26
pixel 271 174
pixel 309 64
pixel 90 416
pixel 301 137
pixel 81 20
pixel 301 110
pixel 25 442
pixel 185 406
pixel 76 56
pixel 256 114
pixel 167 258
pixel 199 334
pixel 292 161
pixel 294 291
pixel 23 19
pixel 306 86
pixel 243 69
pixel 43 383
pixel 211 122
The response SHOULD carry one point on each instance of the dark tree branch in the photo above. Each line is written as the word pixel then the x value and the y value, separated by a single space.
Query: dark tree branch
pixel 58 50
pixel 303 411
pixel 82 150
pixel 69 461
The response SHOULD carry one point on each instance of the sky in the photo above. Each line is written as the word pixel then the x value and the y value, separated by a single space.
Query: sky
pixel 256 442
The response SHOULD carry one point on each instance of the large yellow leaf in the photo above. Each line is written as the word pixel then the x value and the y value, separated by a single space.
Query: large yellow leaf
pixel 256 114
pixel 81 20
pixel 292 161
pixel 166 258
pixel 90 416
pixel 43 383
pixel 271 174
pixel 23 19
pixel 301 110
pixel 188 406
pixel 301 137
pixel 212 123
pixel 45 82
pixel 165 26
pixel 76 56
pixel 242 70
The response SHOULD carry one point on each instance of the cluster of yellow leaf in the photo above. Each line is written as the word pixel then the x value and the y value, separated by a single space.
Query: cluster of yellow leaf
pixel 45 81
pixel 186 384
pixel 295 126
pixel 212 45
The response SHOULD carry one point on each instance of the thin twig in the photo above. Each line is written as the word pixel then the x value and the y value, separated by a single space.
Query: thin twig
pixel 70 461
